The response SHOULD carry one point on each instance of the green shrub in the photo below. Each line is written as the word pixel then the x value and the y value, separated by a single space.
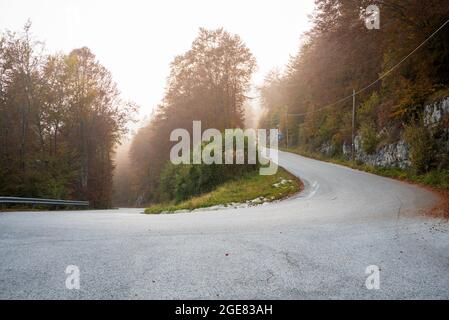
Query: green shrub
pixel 336 145
pixel 368 111
pixel 181 182
pixel 370 140
pixel 422 147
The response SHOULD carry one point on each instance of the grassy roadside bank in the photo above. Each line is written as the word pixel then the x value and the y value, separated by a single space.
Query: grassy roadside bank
pixel 252 189
pixel 438 179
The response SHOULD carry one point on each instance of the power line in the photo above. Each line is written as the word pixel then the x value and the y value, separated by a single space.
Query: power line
pixel 377 80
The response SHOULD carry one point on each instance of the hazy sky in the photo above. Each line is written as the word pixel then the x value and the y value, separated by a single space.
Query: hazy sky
pixel 136 39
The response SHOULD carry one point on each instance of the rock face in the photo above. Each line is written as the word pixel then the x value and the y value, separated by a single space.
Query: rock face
pixel 436 117
pixel 391 155
pixel 435 112
pixel 397 154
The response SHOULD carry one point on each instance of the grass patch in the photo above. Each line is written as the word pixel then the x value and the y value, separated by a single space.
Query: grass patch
pixel 248 188
pixel 438 179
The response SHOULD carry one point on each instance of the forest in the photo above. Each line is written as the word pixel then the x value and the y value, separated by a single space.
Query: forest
pixel 208 83
pixel 313 96
pixel 61 117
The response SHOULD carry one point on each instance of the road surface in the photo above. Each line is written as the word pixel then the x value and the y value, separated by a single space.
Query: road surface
pixel 315 245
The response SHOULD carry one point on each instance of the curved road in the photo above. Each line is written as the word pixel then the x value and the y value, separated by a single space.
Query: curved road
pixel 316 245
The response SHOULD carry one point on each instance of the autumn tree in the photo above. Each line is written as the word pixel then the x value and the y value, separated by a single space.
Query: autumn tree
pixel 207 83
pixel 61 116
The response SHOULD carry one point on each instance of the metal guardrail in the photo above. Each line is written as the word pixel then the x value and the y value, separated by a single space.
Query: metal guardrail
pixel 18 200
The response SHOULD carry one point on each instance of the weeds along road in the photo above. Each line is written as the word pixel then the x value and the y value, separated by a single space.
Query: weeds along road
pixel 316 245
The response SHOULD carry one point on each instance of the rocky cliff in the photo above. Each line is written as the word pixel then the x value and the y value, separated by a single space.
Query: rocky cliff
pixel 435 118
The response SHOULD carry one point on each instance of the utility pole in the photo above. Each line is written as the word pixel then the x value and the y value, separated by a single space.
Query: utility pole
pixel 353 127
pixel 286 125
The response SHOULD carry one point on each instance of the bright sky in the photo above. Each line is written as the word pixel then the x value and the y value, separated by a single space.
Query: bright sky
pixel 137 39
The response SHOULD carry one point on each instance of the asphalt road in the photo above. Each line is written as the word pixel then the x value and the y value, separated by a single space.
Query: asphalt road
pixel 316 245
